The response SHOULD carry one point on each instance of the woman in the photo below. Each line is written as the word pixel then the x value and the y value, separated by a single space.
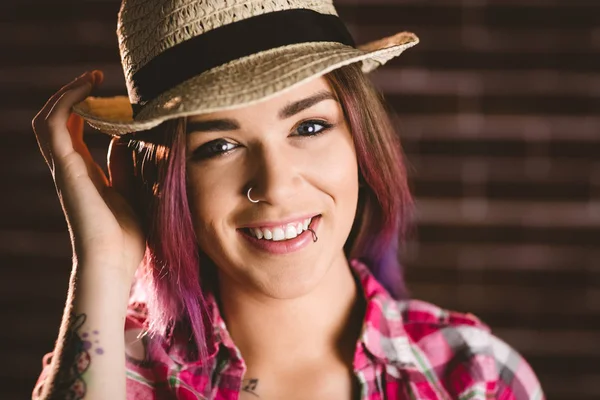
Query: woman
pixel 245 240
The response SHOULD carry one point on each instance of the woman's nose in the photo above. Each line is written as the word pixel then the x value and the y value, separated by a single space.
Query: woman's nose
pixel 276 178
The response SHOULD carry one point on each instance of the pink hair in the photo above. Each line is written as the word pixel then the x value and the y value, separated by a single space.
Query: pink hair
pixel 171 271
pixel 385 204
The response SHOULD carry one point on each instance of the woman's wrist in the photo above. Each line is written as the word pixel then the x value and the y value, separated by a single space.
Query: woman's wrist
pixel 105 286
pixel 105 268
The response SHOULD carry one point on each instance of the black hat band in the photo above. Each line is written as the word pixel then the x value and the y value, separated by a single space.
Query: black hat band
pixel 230 42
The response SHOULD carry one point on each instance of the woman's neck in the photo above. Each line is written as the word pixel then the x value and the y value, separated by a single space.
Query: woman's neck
pixel 323 324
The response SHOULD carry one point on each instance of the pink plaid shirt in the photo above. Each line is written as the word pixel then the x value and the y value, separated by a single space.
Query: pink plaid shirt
pixel 407 350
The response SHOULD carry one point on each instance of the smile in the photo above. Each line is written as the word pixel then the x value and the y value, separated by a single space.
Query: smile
pixel 281 239
pixel 282 232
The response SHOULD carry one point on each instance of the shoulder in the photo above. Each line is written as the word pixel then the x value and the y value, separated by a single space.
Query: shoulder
pixel 421 312
pixel 466 357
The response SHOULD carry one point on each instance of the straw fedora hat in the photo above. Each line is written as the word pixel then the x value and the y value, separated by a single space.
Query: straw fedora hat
pixel 184 57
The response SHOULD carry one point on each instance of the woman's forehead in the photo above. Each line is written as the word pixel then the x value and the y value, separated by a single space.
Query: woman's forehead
pixel 273 106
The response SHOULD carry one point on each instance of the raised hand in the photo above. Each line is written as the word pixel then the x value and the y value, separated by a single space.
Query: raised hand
pixel 104 228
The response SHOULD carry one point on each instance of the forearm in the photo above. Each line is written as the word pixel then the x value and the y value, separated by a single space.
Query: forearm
pixel 89 357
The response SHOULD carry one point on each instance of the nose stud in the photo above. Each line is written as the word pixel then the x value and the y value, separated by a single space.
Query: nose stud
pixel 250 198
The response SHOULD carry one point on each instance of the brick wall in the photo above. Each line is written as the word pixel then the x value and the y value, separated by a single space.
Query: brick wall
pixel 498 112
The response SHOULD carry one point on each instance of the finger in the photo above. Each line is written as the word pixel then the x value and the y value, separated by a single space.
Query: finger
pixel 98 77
pixel 95 77
pixel 43 113
pixel 40 121
pixel 75 128
pixel 59 138
pixel 121 168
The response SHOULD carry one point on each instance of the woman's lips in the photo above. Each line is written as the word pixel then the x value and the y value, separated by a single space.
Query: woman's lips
pixel 282 246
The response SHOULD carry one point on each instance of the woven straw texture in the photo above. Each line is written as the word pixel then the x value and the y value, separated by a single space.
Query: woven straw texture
pixel 147 28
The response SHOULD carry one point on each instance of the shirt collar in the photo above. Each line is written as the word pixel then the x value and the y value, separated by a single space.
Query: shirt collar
pixel 182 349
pixel 383 334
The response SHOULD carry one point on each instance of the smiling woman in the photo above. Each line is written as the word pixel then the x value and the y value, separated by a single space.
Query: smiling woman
pixel 309 178
pixel 245 243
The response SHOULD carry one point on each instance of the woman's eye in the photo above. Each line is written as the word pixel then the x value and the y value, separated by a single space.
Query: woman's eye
pixel 213 148
pixel 312 128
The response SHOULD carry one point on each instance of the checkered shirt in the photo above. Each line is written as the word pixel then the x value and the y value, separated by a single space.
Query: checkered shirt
pixel 407 350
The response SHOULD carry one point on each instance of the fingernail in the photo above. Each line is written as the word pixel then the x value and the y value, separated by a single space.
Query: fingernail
pixel 85 77
pixel 98 76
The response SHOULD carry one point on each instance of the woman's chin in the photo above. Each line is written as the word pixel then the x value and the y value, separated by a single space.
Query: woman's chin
pixel 280 279
pixel 290 281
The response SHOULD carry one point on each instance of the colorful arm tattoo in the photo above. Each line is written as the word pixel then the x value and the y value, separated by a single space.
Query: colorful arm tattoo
pixel 75 360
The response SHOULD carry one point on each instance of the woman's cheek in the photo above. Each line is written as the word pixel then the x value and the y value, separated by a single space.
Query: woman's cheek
pixel 337 162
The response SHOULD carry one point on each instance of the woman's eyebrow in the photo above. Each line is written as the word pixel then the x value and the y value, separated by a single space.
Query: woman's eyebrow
pixel 228 124
pixel 212 125
pixel 301 105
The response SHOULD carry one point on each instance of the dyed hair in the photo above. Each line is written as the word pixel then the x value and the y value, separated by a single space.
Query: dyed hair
pixel 173 266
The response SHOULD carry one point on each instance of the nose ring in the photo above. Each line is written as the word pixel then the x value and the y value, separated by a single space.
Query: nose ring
pixel 250 198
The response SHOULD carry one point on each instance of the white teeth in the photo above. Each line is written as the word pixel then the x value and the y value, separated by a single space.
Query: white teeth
pixel 290 231
pixel 278 234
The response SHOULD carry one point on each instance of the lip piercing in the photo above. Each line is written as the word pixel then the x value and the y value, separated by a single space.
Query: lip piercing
pixel 250 198
pixel 315 238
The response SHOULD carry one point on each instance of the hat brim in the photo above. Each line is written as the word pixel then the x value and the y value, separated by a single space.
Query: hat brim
pixel 240 83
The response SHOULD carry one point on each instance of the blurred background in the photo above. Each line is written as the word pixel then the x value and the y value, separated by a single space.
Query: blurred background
pixel 498 110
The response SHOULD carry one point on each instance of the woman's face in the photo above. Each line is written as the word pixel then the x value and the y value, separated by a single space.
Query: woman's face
pixel 296 153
